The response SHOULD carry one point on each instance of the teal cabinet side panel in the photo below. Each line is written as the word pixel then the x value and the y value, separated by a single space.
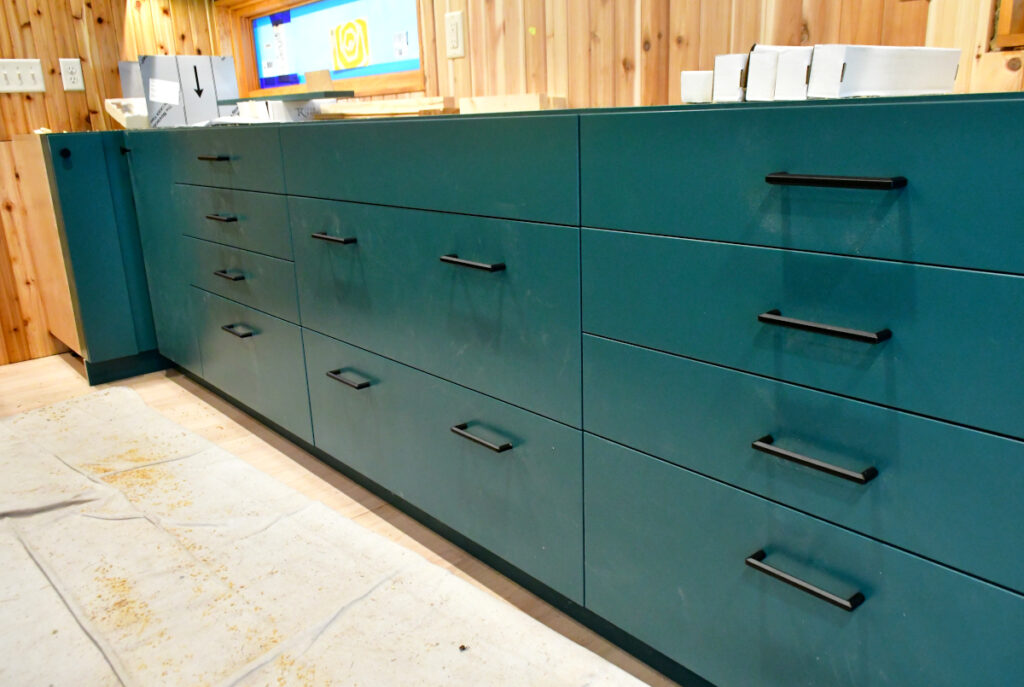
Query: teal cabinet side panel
pixel 939 487
pixel 516 167
pixel 88 223
pixel 701 174
pixel 160 233
pixel 119 176
pixel 954 352
pixel 523 504
pixel 666 552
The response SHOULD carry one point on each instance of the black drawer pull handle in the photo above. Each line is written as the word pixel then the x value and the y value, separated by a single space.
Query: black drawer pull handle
pixel 766 444
pixel 234 330
pixel 230 275
pixel 346 240
pixel 214 158
pixel 485 266
pixel 756 561
pixel 461 428
pixel 775 317
pixel 822 180
pixel 222 218
pixel 336 376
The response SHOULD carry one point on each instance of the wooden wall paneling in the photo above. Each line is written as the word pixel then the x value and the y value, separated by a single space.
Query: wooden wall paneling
pixel 579 45
pixel 602 53
pixel 654 49
pixel 107 43
pixel 41 37
pixel 556 48
pixel 82 44
pixel 904 22
pixel 715 31
pixel 535 47
pixel 428 47
pixel 787 22
pixel 627 44
pixel 511 23
pixel 477 46
pixel 745 27
pixel 12 110
pixel 64 31
pixel 459 77
pixel 861 22
pixel 964 24
pixel 999 71
pixel 684 43
pixel 821 21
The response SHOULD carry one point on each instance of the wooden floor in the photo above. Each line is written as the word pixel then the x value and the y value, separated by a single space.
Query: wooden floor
pixel 35 383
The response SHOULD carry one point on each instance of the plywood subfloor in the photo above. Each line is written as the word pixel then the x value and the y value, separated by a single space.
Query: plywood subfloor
pixel 35 383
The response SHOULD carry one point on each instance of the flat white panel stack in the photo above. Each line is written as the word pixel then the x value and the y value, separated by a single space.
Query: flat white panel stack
pixel 730 78
pixel 846 71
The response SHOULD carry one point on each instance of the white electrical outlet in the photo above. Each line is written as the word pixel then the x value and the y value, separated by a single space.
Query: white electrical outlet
pixel 21 76
pixel 71 74
pixel 454 34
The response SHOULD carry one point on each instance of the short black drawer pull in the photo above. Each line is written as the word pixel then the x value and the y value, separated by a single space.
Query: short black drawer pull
pixel 766 444
pixel 230 275
pixel 214 158
pixel 775 317
pixel 485 266
pixel 239 330
pixel 336 376
pixel 222 218
pixel 826 181
pixel 343 240
pixel 461 428
pixel 756 561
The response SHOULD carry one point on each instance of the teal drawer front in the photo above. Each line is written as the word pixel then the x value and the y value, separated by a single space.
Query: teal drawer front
pixel 162 249
pixel 940 489
pixel 523 504
pixel 259 281
pixel 953 354
pixel 513 334
pixel 666 550
pixel 242 158
pixel 701 174
pixel 244 219
pixel 260 364
pixel 515 167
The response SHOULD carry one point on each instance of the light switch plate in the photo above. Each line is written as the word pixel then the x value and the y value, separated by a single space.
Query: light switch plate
pixel 71 74
pixel 21 76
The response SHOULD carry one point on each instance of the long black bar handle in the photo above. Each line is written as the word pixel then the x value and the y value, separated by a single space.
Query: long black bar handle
pixel 461 428
pixel 343 240
pixel 828 181
pixel 336 376
pixel 485 266
pixel 766 444
pixel 756 561
pixel 229 275
pixel 234 331
pixel 775 317
pixel 222 218
pixel 214 158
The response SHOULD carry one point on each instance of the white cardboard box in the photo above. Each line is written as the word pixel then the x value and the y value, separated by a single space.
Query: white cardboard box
pixel 787 73
pixel 730 71
pixel 845 71
pixel 696 87
pixel 761 73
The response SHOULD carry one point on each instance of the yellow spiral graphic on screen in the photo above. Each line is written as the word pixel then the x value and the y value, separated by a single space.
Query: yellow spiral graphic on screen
pixel 351 45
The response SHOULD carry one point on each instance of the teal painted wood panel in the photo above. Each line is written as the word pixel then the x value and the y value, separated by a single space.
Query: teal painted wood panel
pixel 259 281
pixel 515 167
pixel 665 551
pixel 247 158
pixel 167 273
pixel 940 490
pixel 954 351
pixel 87 220
pixel 265 371
pixel 700 174
pixel 524 504
pixel 512 334
pixel 258 221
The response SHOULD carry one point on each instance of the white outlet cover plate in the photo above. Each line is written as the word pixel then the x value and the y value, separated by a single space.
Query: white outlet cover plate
pixel 21 76
pixel 71 74
pixel 455 34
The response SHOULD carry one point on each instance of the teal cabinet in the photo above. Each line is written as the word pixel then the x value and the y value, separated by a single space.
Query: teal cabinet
pixel 929 473
pixel 253 221
pixel 516 167
pixel 99 236
pixel 953 351
pixel 159 220
pixel 666 552
pixel 257 280
pixel 246 158
pixel 256 358
pixel 701 174
pixel 394 424
pixel 511 333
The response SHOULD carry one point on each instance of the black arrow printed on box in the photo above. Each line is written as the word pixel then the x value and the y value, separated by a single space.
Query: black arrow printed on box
pixel 197 89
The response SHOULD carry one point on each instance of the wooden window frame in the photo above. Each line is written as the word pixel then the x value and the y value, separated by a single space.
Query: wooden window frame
pixel 235 18
pixel 1004 39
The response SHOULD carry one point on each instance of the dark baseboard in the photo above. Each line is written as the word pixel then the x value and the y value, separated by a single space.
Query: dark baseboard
pixel 642 651
pixel 122 368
